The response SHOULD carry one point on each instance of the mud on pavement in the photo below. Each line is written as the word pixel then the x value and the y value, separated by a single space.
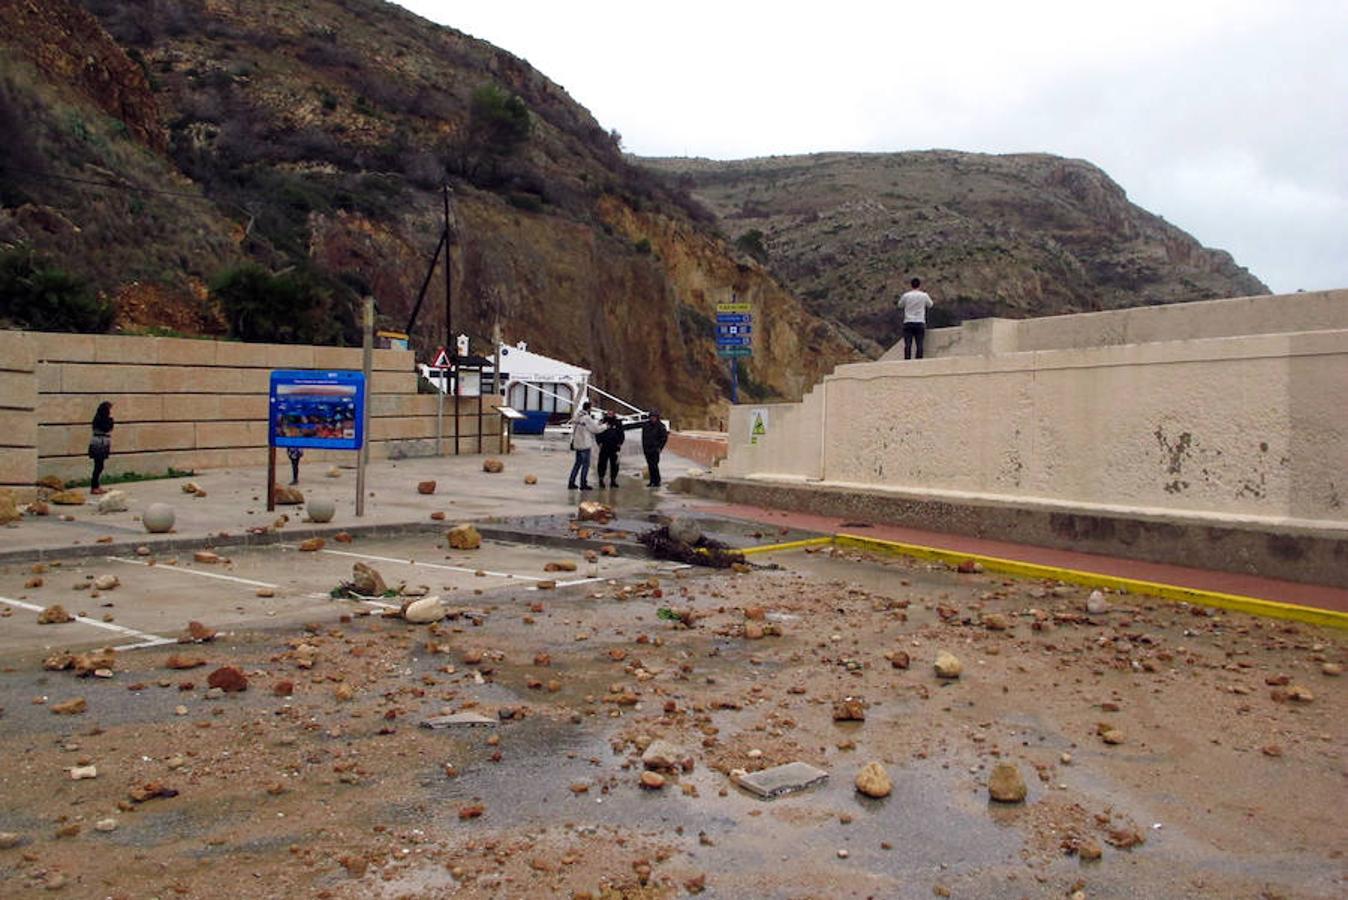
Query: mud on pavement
pixel 1161 750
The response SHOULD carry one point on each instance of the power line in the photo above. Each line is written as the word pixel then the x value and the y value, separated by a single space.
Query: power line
pixel 129 188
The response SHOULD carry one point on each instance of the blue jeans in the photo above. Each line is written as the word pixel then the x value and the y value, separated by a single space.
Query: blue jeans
pixel 581 466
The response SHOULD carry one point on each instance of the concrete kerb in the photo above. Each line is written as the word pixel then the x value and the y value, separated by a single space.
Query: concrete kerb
pixel 1271 609
pixel 161 546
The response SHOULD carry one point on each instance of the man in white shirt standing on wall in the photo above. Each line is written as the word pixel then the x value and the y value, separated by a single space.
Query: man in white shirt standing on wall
pixel 914 304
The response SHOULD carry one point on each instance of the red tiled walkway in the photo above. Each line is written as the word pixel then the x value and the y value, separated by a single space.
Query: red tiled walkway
pixel 1318 596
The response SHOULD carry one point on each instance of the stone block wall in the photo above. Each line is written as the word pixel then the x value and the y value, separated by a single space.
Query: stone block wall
pixel 18 423
pixel 193 404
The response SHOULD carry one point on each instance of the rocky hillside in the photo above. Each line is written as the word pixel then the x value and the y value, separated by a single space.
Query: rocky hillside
pixel 158 148
pixel 1018 235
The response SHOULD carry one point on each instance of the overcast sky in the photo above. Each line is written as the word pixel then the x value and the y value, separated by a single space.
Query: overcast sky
pixel 1227 117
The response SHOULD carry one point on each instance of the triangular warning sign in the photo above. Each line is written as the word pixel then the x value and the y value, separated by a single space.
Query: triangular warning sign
pixel 441 359
pixel 758 425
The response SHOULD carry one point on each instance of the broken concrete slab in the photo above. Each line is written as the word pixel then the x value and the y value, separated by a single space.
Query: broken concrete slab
pixel 463 719
pixel 785 779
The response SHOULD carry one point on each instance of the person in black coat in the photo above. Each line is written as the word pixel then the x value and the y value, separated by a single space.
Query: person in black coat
pixel 100 443
pixel 610 445
pixel 654 434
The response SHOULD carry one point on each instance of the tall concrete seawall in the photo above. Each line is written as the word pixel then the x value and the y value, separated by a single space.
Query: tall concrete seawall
pixel 193 404
pixel 1212 434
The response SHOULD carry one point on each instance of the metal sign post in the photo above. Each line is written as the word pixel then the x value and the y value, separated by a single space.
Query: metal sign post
pixel 367 365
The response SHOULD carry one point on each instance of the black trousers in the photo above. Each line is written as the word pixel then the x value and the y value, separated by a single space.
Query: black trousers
pixel 653 463
pixel 98 472
pixel 608 462
pixel 913 332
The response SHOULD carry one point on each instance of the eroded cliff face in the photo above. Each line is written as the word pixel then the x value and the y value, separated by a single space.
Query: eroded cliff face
pixel 69 46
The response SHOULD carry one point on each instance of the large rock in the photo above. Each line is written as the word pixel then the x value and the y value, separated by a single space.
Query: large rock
pixel 51 483
pixel 424 611
pixel 493 466
pixel 464 537
pixel 664 756
pixel 54 615
pixel 594 511
pixel 9 510
pixel 1005 785
pixel 68 498
pixel 285 495
pixel 367 581
pixel 685 530
pixel 873 781
pixel 113 501
pixel 426 487
pixel 948 665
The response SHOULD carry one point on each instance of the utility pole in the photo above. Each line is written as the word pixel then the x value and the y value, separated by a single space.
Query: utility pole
pixel 367 366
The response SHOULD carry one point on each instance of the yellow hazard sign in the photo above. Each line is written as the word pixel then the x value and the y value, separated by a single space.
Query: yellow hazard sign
pixel 758 424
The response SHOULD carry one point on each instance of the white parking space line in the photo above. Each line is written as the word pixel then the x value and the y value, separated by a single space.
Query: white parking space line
pixel 146 639
pixel 217 575
pixel 412 562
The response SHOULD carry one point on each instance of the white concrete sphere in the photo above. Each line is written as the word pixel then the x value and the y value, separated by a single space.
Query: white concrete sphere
pixel 321 509
pixel 158 518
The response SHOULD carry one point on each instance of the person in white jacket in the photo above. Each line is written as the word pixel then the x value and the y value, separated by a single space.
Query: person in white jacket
pixel 583 430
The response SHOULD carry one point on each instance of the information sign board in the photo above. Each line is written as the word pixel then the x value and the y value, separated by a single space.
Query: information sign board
pixel 316 409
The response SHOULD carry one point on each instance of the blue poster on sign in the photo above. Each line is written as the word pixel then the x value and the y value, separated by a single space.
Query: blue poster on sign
pixel 316 409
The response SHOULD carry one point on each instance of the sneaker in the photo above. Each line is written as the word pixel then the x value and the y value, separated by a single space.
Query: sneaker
pixel 570 487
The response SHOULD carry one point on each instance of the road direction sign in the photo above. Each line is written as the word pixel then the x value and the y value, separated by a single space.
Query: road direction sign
pixel 724 330
pixel 733 340
pixel 734 351
pixel 733 318
pixel 733 307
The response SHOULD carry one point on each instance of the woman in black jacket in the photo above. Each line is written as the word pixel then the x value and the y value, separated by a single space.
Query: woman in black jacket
pixel 100 445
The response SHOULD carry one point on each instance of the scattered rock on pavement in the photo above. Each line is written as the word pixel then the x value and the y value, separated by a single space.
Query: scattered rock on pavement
pixel 594 511
pixel 1005 784
pixel 106 582
pixel 464 537
pixel 663 756
pixel 72 707
pixel 206 556
pixel 849 709
pixel 196 633
pixel 493 466
pixel 312 544
pixel 229 679
pixel 1096 604
pixel 67 498
pixel 424 611
pixel 285 495
pixel 54 615
pixel 948 665
pixel 80 773
pixel 426 487
pixel 652 781
pixel 1333 670
pixel 531 479
pixel 564 565
pixel 113 501
pixel 873 781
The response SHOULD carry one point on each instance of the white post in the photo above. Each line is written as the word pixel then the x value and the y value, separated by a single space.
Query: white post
pixel 367 365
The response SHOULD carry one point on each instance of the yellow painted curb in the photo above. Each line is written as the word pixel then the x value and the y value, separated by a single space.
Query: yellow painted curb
pixel 789 545
pixel 1252 605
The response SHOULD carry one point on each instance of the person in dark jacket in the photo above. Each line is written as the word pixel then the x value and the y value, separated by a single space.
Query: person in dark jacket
pixel 654 434
pixel 295 454
pixel 610 445
pixel 100 444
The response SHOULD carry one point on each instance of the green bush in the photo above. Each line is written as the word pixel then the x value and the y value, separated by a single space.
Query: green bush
pixel 298 306
pixel 36 294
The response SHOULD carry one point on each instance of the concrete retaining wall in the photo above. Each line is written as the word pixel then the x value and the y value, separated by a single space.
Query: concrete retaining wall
pixel 195 404
pixel 1244 432
pixel 1272 314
